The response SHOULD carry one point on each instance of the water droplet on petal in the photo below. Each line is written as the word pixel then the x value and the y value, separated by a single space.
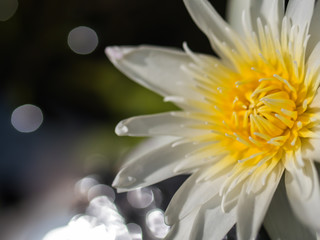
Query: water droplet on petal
pixel 121 129
pixel 131 179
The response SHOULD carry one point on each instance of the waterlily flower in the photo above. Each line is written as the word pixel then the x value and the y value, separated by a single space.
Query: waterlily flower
pixel 249 122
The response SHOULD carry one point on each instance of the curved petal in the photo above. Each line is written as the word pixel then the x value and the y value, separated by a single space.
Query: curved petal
pixel 158 69
pixel 211 223
pixel 187 196
pixel 252 207
pixel 280 222
pixel 302 186
pixel 209 21
pixel 235 10
pixel 152 167
pixel 171 124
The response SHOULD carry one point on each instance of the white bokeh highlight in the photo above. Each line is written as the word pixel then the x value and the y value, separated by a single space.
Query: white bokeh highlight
pixel 101 190
pixel 140 198
pixel 82 228
pixel 155 223
pixel 27 118
pixel 102 221
pixel 83 186
pixel 135 231
pixel 7 9
pixel 83 40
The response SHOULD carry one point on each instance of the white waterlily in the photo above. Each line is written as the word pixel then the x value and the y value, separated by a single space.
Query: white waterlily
pixel 248 118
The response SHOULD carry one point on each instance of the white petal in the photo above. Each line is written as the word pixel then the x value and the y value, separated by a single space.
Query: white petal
pixel 280 222
pixel 211 222
pixel 304 194
pixel 147 146
pixel 270 12
pixel 152 167
pixel 235 10
pixel 209 21
pixel 158 69
pixel 252 207
pixel 230 200
pixel 183 229
pixel 171 123
pixel 300 12
pixel 273 12
pixel 187 196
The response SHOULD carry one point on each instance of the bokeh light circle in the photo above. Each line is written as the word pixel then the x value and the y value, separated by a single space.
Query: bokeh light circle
pixel 155 223
pixel 27 118
pixel 82 40
pixel 7 9
pixel 135 231
pixel 140 198
pixel 101 190
pixel 83 186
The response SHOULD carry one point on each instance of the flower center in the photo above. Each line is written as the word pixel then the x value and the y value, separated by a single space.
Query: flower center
pixel 263 111
pixel 256 115
pixel 257 104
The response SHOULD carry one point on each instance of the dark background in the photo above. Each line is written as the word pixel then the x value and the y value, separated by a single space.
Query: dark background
pixel 82 97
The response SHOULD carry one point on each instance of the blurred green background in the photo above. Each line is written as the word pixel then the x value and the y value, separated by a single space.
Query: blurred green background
pixel 81 96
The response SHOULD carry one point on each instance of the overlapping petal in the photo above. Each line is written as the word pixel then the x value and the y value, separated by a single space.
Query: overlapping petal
pixel 211 222
pixel 302 186
pixel 153 167
pixel 280 221
pixel 300 12
pixel 246 12
pixel 213 25
pixel 208 20
pixel 252 207
pixel 187 196
pixel 183 229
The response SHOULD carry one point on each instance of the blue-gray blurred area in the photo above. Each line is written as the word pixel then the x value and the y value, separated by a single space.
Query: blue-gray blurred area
pixel 61 163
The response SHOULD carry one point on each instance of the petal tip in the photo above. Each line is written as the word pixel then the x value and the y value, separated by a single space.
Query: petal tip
pixel 114 53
